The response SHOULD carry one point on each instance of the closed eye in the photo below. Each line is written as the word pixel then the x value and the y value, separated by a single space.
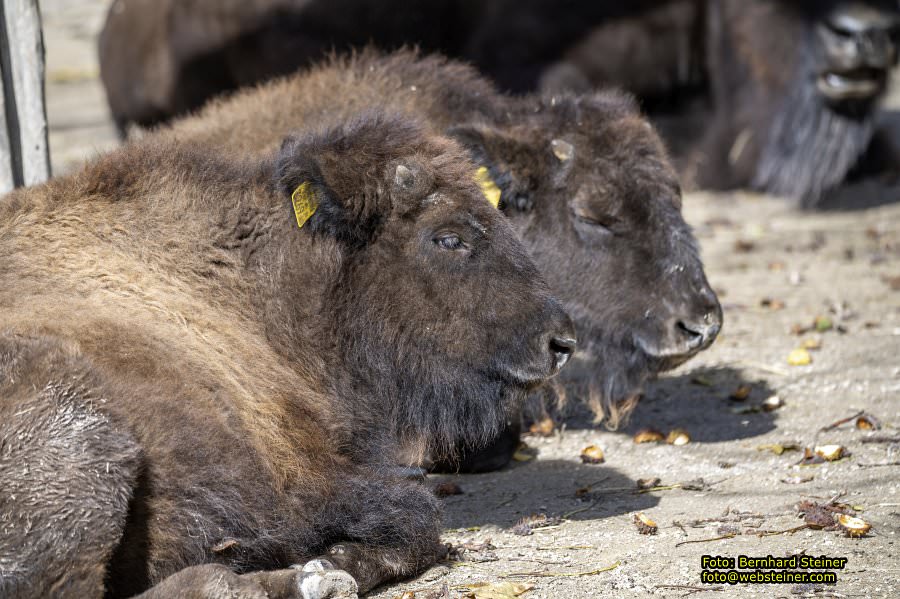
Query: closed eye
pixel 450 241
pixel 593 221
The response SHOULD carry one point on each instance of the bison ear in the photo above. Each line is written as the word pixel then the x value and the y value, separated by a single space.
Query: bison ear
pixel 322 198
pixel 510 162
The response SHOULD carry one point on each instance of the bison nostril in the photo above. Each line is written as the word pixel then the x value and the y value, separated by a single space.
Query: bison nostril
pixel 692 332
pixel 561 348
pixel 699 334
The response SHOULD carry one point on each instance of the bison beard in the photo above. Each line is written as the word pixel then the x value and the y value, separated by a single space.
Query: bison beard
pixel 811 146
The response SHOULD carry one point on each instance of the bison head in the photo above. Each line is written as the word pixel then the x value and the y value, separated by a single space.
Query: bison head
pixel 438 320
pixel 801 81
pixel 587 184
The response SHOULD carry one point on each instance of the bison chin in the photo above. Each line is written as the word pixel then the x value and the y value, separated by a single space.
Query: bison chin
pixel 609 377
pixel 813 143
pixel 443 421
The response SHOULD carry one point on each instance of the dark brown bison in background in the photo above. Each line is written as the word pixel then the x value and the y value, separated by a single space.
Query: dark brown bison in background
pixel 193 389
pixel 775 95
pixel 585 182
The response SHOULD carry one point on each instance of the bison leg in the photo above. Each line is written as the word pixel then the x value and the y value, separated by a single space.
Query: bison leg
pixel 66 474
pixel 392 527
pixel 315 580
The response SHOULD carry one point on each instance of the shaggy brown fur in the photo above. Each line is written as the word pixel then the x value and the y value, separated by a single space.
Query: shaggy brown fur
pixel 584 180
pixel 187 378
pixel 738 87
pixel 732 83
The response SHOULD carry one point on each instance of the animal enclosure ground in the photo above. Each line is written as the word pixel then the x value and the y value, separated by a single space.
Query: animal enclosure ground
pixel 774 268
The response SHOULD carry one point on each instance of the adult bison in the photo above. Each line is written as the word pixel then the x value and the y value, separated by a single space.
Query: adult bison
pixel 584 180
pixel 788 91
pixel 198 383
pixel 775 95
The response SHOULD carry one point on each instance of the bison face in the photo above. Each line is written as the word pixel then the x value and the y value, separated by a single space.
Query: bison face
pixel 590 190
pixel 855 50
pixel 439 315
pixel 799 82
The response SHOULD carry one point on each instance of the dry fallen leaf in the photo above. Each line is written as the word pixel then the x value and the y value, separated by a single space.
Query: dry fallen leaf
pixel 645 525
pixel 527 525
pixel 592 455
pixel 810 458
pixel 799 357
pixel 853 526
pixel 771 304
pixel 500 590
pixel 543 427
pixel 743 246
pixel 648 435
pixel 524 453
pixel 703 381
pixel 812 344
pixel 447 489
pixel 867 422
pixel 772 403
pixel 892 282
pixel 823 324
pixel 779 448
pixel 821 515
pixel 741 393
pixel 678 437
pixel 648 483
pixel 830 453
pixel 406 595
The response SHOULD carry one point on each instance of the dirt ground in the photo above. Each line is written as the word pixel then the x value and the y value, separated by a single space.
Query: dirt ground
pixel 774 268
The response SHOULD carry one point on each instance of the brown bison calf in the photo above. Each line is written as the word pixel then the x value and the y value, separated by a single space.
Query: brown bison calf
pixel 209 367
pixel 585 181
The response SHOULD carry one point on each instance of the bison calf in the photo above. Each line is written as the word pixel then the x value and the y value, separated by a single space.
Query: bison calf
pixel 215 364
pixel 584 180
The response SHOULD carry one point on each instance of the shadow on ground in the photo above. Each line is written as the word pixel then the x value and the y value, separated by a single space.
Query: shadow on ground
pixel 503 498
pixel 699 401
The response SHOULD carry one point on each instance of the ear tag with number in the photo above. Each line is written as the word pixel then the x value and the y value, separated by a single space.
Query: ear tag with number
pixel 305 203
pixel 488 187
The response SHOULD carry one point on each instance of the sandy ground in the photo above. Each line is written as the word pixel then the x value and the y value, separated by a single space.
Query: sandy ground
pixel 841 265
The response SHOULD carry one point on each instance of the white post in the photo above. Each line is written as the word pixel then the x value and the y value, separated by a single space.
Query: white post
pixel 24 150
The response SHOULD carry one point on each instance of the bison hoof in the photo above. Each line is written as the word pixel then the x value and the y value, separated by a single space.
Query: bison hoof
pixel 321 581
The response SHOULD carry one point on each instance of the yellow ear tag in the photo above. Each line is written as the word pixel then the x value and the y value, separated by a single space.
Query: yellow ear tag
pixel 488 187
pixel 305 203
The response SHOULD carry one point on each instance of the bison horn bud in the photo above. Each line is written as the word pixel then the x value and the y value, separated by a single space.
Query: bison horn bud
pixel 404 177
pixel 563 150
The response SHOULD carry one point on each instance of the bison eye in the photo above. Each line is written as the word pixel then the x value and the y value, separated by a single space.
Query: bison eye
pixel 595 222
pixel 449 241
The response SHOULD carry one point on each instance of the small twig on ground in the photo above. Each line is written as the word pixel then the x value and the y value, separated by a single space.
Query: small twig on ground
pixel 772 533
pixel 507 501
pixel 880 439
pixel 728 536
pixel 837 423
pixel 660 488
pixel 879 465
pixel 559 574
pixel 690 590
pixel 567 515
